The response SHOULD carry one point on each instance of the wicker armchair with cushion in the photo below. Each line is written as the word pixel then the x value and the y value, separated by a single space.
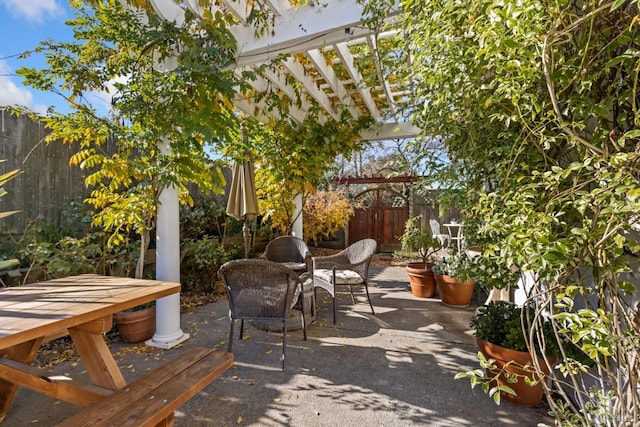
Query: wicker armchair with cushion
pixel 347 268
pixel 291 251
pixel 259 289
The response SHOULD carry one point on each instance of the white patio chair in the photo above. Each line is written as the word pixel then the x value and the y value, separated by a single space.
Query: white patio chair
pixel 444 238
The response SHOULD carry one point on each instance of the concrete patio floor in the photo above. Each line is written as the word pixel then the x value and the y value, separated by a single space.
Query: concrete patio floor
pixel 393 369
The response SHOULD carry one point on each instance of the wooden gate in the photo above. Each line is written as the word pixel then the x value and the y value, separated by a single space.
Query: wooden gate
pixel 381 215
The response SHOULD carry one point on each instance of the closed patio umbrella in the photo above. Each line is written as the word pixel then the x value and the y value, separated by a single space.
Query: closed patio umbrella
pixel 243 200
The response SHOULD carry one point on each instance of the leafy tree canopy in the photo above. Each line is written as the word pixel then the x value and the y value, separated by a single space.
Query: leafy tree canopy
pixel 113 51
pixel 537 105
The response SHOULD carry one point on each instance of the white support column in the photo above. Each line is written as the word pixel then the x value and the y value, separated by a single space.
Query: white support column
pixel 168 333
pixel 297 228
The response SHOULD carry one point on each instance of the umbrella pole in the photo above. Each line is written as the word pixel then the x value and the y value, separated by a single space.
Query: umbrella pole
pixel 246 234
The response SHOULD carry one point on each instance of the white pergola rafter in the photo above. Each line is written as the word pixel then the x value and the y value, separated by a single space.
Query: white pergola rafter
pixel 278 78
pixel 373 44
pixel 261 86
pixel 329 75
pixel 277 6
pixel 347 60
pixel 238 8
pixel 297 70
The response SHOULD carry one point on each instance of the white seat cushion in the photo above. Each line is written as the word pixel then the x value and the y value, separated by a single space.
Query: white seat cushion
pixel 343 277
pixel 295 266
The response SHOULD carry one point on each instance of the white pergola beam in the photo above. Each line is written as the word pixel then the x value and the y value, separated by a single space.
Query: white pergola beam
pixel 398 130
pixel 347 60
pixel 329 75
pixel 298 72
pixel 302 29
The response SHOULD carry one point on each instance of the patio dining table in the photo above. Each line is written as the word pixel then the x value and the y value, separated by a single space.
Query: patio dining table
pixel 79 306
pixel 455 233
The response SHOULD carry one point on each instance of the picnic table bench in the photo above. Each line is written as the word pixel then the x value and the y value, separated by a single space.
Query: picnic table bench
pixel 82 307
pixel 152 399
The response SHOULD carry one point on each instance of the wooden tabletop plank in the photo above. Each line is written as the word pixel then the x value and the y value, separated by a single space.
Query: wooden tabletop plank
pixel 39 309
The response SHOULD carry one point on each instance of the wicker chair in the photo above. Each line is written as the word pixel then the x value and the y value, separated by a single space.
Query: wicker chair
pixel 348 267
pixel 290 250
pixel 259 289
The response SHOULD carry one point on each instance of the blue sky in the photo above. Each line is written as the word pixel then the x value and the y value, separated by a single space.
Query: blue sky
pixel 23 24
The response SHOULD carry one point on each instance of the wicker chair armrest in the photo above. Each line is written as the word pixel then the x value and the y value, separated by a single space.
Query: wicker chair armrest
pixel 308 260
pixel 329 260
pixel 304 277
pixel 353 266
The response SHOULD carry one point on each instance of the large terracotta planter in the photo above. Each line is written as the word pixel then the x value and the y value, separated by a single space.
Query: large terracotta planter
pixel 136 326
pixel 453 292
pixel 512 361
pixel 423 284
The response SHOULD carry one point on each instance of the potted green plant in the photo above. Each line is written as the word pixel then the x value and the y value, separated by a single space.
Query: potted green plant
pixel 419 239
pixel 453 279
pixel 511 370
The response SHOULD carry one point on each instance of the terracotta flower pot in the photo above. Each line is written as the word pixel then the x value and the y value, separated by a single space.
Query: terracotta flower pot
pixel 453 292
pixel 423 284
pixel 136 326
pixel 525 395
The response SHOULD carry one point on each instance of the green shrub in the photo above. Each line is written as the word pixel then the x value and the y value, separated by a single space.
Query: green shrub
pixel 200 260
pixel 418 239
pixel 508 325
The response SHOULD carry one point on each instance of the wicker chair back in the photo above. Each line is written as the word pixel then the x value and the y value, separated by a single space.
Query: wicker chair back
pixel 288 249
pixel 259 289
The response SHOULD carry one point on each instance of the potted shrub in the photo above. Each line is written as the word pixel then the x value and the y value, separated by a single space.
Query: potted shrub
pixel 511 370
pixel 419 239
pixel 136 324
pixel 453 279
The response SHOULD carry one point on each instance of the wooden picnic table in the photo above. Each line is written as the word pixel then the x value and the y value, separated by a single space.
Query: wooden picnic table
pixel 79 306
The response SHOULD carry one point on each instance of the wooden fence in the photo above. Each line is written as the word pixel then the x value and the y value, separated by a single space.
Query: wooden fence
pixel 47 183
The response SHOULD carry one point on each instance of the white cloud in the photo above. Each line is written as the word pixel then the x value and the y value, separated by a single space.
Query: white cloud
pixel 12 94
pixel 101 100
pixel 34 10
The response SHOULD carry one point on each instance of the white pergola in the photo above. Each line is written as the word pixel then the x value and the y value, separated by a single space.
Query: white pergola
pixel 322 54
pixel 322 57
